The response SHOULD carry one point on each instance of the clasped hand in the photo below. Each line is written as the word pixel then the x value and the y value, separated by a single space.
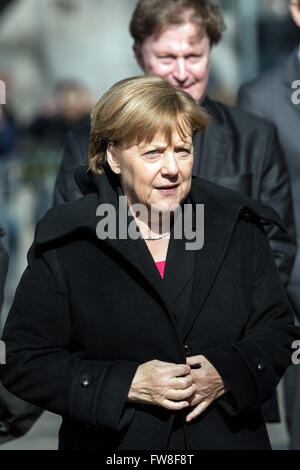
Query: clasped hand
pixel 177 386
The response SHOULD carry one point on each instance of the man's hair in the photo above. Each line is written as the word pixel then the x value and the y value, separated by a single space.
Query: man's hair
pixel 134 110
pixel 150 16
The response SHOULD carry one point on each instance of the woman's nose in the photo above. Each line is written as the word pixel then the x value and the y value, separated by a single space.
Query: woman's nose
pixel 169 166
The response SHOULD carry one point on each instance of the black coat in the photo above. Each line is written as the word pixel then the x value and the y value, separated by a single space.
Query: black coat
pixel 87 312
pixel 237 151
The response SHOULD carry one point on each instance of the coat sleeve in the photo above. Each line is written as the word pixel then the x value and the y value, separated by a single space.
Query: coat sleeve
pixel 275 188
pixel 43 367
pixel 253 366
pixel 74 155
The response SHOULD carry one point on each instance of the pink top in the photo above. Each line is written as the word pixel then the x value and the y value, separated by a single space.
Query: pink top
pixel 161 267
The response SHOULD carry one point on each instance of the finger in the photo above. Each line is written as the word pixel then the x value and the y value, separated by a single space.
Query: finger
pixel 195 399
pixel 181 383
pixel 174 405
pixel 194 360
pixel 180 370
pixel 197 411
pixel 181 394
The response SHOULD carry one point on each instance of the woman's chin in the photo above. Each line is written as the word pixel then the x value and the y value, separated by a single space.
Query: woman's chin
pixel 164 207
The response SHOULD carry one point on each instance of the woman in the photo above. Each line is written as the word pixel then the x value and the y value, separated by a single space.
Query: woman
pixel 118 325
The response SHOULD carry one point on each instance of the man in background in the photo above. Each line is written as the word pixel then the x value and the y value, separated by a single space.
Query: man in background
pixel 174 39
pixel 275 95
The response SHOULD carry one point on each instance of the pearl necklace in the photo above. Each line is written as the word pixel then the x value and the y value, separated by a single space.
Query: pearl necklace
pixel 157 237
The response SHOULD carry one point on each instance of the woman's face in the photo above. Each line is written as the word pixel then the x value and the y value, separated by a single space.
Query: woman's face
pixel 155 174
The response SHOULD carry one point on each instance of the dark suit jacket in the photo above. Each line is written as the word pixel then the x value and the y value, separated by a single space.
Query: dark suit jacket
pixel 270 96
pixel 87 312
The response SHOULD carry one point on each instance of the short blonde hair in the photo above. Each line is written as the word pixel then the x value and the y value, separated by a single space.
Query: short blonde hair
pixel 134 110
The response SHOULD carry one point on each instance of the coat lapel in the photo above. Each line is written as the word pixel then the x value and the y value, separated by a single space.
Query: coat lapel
pixel 179 268
pixel 219 223
pixel 221 211
pixel 136 254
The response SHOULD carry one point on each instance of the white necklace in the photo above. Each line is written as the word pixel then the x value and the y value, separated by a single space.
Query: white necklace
pixel 157 237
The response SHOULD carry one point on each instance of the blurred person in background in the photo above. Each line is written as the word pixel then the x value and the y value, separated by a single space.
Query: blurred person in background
pixel 8 126
pixel 275 95
pixel 68 107
pixel 3 267
pixel 174 39
pixel 4 428
pixel 9 133
pixel 16 416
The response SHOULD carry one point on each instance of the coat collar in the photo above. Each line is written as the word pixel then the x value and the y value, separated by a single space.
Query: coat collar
pixel 222 209
pixel 67 218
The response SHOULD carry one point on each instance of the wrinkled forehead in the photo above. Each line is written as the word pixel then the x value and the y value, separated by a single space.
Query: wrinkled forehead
pixel 165 135
pixel 162 138
pixel 179 36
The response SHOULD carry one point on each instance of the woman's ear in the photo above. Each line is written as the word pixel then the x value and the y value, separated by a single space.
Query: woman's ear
pixel 113 159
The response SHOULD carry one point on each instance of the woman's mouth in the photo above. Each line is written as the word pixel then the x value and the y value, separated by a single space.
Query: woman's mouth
pixel 168 189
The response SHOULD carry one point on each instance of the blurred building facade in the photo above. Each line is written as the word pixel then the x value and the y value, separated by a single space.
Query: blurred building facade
pixel 43 42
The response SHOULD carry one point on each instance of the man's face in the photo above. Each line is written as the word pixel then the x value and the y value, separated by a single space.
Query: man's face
pixel 180 54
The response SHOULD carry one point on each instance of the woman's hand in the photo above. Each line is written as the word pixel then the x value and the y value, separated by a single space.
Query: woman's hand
pixel 210 385
pixel 163 384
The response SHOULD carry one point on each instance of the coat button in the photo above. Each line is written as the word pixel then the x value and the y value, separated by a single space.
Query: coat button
pixel 85 381
pixel 187 350
pixel 260 366
pixel 247 214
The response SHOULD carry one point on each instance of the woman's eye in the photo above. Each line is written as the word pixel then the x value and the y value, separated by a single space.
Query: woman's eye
pixel 153 153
